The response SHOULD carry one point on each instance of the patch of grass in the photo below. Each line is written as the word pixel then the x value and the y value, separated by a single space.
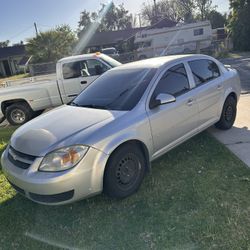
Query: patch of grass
pixel 196 197
pixel 12 78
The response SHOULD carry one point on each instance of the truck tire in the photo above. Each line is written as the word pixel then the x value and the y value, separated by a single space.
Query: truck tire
pixel 18 113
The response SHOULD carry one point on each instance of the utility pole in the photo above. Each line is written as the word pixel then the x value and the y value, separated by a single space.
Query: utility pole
pixel 139 19
pixel 156 14
pixel 36 29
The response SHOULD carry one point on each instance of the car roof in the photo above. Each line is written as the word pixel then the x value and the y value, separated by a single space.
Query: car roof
pixel 157 62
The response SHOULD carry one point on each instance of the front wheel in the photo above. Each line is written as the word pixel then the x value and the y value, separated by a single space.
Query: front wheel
pixel 228 114
pixel 124 172
pixel 18 113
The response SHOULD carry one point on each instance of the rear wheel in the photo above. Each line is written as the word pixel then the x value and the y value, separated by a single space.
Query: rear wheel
pixel 228 114
pixel 124 172
pixel 18 113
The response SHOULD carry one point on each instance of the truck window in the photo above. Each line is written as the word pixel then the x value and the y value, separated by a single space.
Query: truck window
pixel 71 70
pixel 95 67
pixel 83 68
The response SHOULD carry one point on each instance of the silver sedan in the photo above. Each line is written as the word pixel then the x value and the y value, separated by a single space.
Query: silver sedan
pixel 106 138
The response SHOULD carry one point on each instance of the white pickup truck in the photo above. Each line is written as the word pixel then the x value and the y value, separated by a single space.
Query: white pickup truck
pixel 20 103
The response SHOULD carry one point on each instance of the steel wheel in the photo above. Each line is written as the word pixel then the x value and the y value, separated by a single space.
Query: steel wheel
pixel 18 116
pixel 124 171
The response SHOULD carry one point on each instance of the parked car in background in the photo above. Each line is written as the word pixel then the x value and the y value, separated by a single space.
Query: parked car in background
pixel 128 117
pixel 110 52
pixel 73 74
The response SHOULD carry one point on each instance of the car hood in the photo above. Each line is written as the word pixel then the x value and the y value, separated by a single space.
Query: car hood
pixel 47 132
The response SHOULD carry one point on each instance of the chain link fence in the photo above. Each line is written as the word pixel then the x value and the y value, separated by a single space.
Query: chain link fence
pixel 216 49
pixel 42 68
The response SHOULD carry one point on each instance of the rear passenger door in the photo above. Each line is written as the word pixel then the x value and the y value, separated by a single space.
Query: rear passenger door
pixel 173 122
pixel 208 90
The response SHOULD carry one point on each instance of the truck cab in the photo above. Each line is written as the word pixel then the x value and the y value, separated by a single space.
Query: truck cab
pixel 22 102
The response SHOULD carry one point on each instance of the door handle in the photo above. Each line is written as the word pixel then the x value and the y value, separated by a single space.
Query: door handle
pixel 219 87
pixel 190 102
pixel 84 82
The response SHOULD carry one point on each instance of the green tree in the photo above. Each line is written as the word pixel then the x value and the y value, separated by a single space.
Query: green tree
pixel 4 44
pixel 239 20
pixel 174 10
pixel 203 8
pixel 115 18
pixel 217 19
pixel 51 45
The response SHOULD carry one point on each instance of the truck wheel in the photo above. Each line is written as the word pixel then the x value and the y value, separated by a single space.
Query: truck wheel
pixel 142 57
pixel 18 113
pixel 228 114
pixel 124 172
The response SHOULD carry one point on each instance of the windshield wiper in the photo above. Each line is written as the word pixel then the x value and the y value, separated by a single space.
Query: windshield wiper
pixel 74 104
pixel 93 106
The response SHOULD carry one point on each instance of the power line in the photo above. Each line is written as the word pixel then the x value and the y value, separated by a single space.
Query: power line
pixel 20 33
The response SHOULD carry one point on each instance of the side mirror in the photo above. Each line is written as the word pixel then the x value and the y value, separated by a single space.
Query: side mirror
pixel 162 99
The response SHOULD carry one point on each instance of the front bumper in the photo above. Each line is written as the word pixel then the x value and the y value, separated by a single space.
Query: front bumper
pixel 54 188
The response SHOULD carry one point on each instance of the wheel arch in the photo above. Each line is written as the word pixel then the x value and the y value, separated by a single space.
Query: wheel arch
pixel 7 103
pixel 138 143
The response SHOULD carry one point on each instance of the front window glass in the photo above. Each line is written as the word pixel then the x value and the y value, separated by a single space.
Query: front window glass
pixel 173 82
pixel 116 89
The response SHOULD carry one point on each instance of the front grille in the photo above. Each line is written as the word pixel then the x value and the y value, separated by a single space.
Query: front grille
pixel 19 159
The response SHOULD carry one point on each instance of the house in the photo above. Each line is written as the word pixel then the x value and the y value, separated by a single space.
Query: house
pixel 12 60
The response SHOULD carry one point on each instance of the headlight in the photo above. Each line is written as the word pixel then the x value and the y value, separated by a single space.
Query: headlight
pixel 63 158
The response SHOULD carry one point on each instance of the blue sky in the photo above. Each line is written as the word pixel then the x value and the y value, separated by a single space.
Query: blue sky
pixel 17 16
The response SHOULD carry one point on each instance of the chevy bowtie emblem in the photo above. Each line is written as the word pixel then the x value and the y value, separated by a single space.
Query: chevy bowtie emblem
pixel 14 156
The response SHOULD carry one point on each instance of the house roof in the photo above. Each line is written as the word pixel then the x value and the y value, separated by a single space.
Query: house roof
pixel 18 50
pixel 111 37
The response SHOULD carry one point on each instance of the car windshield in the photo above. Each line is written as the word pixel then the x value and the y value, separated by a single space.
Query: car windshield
pixel 116 90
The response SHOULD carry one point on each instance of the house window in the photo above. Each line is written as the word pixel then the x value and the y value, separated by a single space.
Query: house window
pixel 198 32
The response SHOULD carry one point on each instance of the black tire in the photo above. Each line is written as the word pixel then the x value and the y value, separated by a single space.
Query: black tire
pixel 228 114
pixel 18 113
pixel 142 57
pixel 124 172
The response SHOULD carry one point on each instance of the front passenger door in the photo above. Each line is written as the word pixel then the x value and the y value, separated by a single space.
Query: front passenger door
pixel 173 122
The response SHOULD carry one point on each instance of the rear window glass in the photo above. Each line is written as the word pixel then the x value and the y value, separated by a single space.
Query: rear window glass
pixel 204 71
